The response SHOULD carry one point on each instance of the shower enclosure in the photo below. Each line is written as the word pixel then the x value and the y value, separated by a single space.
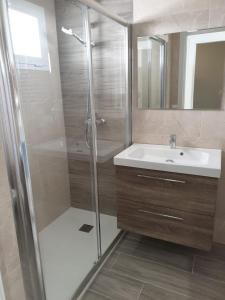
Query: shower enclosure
pixel 65 90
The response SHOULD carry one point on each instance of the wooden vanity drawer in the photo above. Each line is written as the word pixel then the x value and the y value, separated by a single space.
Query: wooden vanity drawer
pixel 167 224
pixel 194 194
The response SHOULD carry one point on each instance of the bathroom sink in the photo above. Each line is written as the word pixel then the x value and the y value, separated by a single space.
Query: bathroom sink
pixel 195 161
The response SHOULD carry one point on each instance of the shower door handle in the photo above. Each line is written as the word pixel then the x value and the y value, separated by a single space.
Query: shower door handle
pixel 87 131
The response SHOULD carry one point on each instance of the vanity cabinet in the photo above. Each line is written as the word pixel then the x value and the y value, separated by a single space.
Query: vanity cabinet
pixel 169 206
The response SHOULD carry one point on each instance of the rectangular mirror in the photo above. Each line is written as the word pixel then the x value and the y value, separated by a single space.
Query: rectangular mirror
pixel 184 70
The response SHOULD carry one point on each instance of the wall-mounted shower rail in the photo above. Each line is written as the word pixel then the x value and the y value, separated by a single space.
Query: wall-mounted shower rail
pixel 99 8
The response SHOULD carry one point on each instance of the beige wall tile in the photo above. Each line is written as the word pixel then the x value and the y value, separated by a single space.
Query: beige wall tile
pixel 148 10
pixel 195 5
pixel 191 20
pixel 217 17
pixel 216 4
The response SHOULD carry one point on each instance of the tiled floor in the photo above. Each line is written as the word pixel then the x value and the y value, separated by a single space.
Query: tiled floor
pixel 146 269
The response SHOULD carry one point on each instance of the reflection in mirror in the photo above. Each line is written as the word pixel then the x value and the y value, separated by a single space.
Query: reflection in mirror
pixel 182 70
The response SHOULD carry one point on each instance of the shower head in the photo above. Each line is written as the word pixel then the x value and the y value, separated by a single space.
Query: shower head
pixel 67 31
pixel 71 33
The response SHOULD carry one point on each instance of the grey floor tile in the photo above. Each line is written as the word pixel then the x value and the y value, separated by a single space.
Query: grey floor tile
pixel 159 251
pixel 160 244
pixel 210 267
pixel 151 292
pixel 90 295
pixel 169 278
pixel 217 251
pixel 111 260
pixel 116 286
pixel 158 270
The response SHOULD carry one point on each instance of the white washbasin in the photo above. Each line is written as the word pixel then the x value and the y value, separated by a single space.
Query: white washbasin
pixel 195 161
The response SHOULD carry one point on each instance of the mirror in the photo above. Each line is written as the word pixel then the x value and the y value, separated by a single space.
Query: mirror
pixel 184 70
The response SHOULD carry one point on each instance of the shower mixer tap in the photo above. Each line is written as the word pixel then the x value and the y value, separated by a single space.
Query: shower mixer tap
pixel 98 120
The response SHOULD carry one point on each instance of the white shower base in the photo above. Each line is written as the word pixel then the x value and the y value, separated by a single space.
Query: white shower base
pixel 69 254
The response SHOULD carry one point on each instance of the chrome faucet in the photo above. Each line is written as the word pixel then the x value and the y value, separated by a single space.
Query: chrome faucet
pixel 172 141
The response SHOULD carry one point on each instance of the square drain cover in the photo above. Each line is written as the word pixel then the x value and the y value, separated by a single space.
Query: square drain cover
pixel 86 228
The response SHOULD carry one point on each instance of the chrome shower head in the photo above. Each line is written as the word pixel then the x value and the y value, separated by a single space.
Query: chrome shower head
pixel 67 31
pixel 70 32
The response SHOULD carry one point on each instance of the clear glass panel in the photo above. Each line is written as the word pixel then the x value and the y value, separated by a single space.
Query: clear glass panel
pixel 110 94
pixel 53 84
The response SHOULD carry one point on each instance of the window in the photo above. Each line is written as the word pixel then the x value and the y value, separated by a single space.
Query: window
pixel 29 37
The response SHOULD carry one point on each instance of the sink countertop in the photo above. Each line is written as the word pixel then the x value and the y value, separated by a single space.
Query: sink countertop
pixel 186 160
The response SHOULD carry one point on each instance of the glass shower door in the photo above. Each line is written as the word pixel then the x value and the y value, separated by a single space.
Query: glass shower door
pixel 110 89
pixel 53 81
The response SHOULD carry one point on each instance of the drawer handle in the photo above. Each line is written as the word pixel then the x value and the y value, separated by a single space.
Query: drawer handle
pixel 161 215
pixel 161 178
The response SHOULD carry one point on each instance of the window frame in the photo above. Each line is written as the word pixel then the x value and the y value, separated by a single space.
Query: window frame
pixel 30 62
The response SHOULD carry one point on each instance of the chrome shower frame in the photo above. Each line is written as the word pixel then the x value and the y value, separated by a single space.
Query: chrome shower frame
pixel 16 150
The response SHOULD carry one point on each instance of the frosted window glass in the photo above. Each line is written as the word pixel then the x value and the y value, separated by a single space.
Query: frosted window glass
pixel 25 34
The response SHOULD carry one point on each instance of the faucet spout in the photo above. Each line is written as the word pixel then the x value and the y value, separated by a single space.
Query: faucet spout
pixel 172 141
